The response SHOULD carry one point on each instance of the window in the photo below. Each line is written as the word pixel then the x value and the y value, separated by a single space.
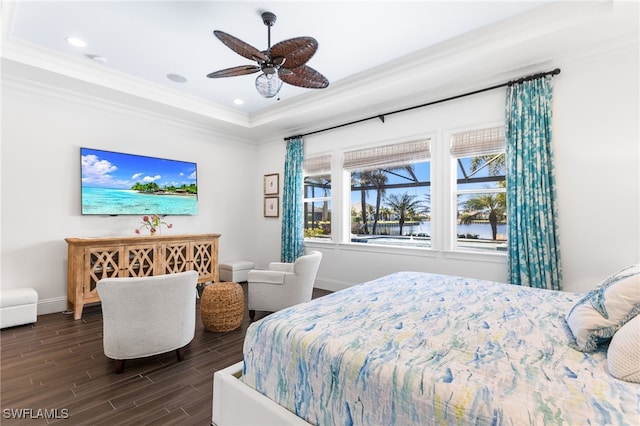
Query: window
pixel 317 197
pixel 385 194
pixel 480 191
pixel 390 194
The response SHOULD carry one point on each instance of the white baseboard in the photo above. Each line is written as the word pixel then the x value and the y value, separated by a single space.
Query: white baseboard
pixel 53 305
pixel 331 285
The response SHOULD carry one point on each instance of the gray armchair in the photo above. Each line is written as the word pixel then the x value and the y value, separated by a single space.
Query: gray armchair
pixel 282 284
pixel 148 315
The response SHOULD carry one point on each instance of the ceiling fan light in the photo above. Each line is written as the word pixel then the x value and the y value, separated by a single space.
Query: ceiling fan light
pixel 268 86
pixel 75 41
pixel 294 53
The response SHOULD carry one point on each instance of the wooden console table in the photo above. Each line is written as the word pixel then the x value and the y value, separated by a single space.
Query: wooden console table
pixel 91 259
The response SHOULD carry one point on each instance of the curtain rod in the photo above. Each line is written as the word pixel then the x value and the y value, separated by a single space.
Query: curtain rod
pixel 475 92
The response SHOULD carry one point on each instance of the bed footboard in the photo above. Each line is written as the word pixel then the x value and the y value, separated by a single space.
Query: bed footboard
pixel 235 403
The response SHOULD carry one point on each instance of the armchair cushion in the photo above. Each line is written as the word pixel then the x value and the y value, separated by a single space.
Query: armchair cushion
pixel 281 266
pixel 268 277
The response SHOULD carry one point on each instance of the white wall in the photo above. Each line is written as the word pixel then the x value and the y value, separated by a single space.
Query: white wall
pixel 43 129
pixel 596 129
pixel 267 236
pixel 597 163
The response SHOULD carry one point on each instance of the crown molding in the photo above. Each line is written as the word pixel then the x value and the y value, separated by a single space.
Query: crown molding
pixel 17 80
pixel 519 46
pixel 99 75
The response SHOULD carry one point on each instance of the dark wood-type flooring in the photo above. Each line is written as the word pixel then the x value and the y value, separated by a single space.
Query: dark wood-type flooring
pixel 57 364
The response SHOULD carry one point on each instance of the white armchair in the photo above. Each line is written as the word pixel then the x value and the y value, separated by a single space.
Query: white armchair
pixel 148 315
pixel 283 284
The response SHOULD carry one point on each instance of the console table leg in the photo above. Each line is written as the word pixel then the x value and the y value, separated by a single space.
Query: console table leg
pixel 77 312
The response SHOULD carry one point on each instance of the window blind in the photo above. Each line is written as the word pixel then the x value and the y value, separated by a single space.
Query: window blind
pixel 478 142
pixel 388 155
pixel 317 165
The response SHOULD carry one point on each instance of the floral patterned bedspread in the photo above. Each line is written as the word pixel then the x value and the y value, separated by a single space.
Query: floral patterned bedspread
pixel 421 349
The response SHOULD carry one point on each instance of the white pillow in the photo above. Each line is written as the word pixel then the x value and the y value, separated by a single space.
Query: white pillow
pixel 601 312
pixel 623 355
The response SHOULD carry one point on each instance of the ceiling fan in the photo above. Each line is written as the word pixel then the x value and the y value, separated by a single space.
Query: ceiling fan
pixel 282 62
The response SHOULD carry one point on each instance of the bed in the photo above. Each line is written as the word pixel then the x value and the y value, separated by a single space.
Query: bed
pixel 417 348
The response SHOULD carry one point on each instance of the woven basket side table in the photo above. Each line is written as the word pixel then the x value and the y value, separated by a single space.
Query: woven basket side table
pixel 222 306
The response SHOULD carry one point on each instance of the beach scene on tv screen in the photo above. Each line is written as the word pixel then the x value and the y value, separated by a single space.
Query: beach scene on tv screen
pixel 117 183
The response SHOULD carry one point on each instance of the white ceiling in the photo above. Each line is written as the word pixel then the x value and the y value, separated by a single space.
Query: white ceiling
pixel 365 49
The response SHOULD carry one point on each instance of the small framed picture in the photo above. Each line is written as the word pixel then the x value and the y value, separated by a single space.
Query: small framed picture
pixel 271 206
pixel 271 184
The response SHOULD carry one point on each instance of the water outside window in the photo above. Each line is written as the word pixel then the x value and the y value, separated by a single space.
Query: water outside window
pixel 392 205
pixel 481 203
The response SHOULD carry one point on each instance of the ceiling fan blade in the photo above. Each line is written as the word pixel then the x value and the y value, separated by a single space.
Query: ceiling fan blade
pixel 303 76
pixel 235 71
pixel 297 51
pixel 240 47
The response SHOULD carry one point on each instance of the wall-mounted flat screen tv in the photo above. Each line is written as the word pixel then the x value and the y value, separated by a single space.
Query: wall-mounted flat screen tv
pixel 115 183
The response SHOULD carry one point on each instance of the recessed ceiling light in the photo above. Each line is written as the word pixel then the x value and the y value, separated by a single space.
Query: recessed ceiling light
pixel 177 78
pixel 75 41
pixel 238 101
pixel 97 58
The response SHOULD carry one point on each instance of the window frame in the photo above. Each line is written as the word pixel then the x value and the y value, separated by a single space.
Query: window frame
pixel 451 161
pixel 443 178
pixel 321 171
pixel 375 151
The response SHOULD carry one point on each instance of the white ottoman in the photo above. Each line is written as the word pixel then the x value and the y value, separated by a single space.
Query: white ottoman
pixel 18 306
pixel 236 271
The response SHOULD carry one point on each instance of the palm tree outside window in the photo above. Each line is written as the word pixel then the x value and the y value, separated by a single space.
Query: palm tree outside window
pixel 390 189
pixel 481 222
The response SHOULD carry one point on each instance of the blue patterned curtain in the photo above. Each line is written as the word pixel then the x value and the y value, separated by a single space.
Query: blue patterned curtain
pixel 534 253
pixel 292 208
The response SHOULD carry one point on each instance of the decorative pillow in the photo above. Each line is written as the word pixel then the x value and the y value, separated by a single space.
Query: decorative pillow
pixel 623 355
pixel 601 312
